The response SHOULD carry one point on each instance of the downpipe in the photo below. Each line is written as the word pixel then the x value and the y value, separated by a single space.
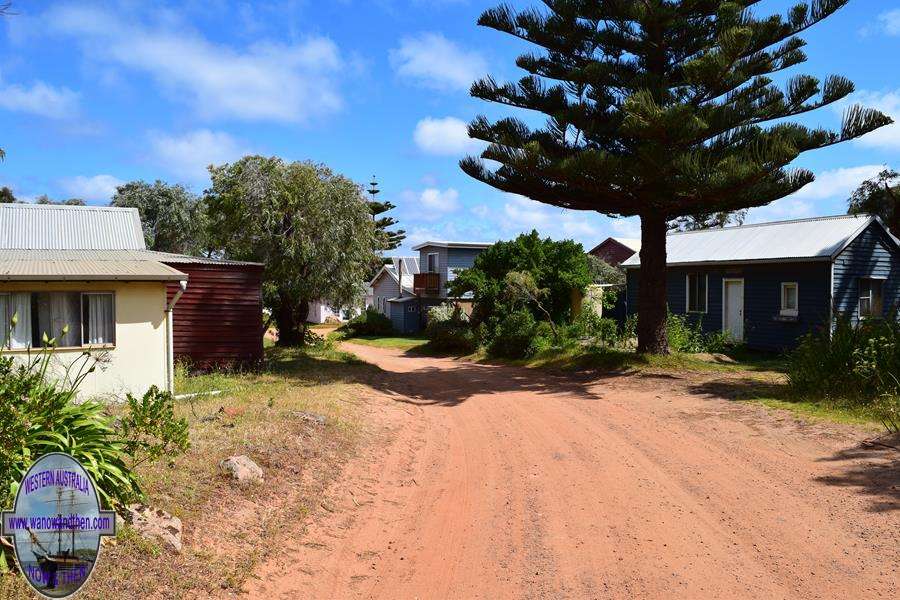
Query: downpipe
pixel 170 341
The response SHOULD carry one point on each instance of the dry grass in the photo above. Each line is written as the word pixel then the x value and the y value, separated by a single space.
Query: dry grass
pixel 228 528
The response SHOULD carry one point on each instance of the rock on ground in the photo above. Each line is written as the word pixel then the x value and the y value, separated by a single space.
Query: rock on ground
pixel 242 468
pixel 156 524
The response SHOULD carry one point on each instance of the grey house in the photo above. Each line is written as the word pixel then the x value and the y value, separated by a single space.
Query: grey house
pixel 405 298
pixel 394 280
pixel 768 284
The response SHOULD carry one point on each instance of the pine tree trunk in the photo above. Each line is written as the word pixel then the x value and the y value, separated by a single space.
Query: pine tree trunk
pixel 652 286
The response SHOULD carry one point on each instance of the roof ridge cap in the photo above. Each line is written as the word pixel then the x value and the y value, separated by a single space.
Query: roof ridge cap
pixel 769 223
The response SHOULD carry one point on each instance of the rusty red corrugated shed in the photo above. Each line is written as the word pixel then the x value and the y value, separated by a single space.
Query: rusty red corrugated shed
pixel 218 320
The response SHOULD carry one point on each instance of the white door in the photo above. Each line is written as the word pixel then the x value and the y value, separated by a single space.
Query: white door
pixel 734 309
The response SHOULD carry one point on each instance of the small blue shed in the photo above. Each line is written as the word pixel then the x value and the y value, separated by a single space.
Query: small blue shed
pixel 767 284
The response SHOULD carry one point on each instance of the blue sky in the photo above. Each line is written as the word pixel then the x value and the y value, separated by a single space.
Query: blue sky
pixel 97 93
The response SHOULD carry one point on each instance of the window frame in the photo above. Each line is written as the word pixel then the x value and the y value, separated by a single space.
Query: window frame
pixel 81 294
pixel 785 311
pixel 873 314
pixel 114 332
pixel 687 301
pixel 436 256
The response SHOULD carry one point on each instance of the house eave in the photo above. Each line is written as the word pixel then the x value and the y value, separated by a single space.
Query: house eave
pixel 761 261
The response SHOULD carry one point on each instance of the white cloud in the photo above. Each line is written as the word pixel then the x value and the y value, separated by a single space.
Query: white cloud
pixel 836 183
pixel 265 81
pixel 431 60
pixel 890 21
pixel 98 187
pixel 39 99
pixel 189 155
pixel 445 137
pixel 522 215
pixel 886 138
pixel 481 211
pixel 627 227
pixel 437 202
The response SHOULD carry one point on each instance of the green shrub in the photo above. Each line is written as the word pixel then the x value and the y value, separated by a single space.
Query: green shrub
pixel 39 415
pixel 370 322
pixel 687 336
pixel 542 339
pixel 594 328
pixel 448 329
pixel 514 335
pixel 854 362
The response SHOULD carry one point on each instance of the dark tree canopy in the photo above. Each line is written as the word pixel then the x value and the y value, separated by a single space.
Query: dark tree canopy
pixel 172 216
pixel 7 196
pixel 708 221
pixel 879 196
pixel 660 109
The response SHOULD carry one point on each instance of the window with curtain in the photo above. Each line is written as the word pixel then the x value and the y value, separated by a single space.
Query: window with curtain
pixel 89 316
pixel 98 318
pixel 696 293
pixel 16 332
pixel 56 312
pixel 870 297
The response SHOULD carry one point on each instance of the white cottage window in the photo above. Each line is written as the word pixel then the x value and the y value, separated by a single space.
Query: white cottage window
pixel 870 297
pixel 88 319
pixel 790 299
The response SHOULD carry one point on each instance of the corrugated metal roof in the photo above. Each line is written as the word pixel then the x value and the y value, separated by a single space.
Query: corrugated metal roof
pixel 50 227
pixel 410 263
pixel 168 257
pixel 84 265
pixel 446 244
pixel 810 239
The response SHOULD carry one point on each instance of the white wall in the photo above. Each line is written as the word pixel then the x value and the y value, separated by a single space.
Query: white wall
pixel 138 358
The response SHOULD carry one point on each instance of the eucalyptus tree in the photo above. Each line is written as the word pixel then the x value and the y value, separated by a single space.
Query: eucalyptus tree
pixel 310 227
pixel 173 217
pixel 658 109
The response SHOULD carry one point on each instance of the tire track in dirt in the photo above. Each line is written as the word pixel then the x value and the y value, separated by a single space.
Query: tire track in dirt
pixel 483 481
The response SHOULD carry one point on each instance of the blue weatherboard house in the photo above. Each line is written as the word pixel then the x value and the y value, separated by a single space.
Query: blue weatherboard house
pixel 767 284
pixel 406 290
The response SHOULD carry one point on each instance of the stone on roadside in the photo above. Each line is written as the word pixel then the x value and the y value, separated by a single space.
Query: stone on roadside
pixel 155 524
pixel 242 468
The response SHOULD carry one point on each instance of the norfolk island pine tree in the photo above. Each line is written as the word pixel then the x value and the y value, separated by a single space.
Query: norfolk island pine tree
pixel 658 109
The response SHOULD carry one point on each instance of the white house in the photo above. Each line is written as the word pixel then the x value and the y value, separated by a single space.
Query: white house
pixel 86 271
pixel 392 281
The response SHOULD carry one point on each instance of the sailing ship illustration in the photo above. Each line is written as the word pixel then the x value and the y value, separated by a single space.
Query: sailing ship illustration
pixel 69 565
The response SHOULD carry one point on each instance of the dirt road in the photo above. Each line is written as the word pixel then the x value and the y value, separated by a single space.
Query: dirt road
pixel 497 482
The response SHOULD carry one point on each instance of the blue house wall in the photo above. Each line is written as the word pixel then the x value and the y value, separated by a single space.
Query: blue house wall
pixel 405 316
pixel 871 255
pixel 763 326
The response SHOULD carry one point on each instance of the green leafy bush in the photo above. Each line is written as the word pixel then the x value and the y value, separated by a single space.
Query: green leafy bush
pixel 592 327
pixel 448 329
pixel 150 429
pixel 370 322
pixel 687 335
pixel 854 362
pixel 514 335
pixel 39 415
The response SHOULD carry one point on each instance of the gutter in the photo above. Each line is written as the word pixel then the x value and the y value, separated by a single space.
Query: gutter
pixel 170 342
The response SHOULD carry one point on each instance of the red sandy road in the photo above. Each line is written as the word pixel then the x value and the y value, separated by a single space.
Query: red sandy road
pixel 497 482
